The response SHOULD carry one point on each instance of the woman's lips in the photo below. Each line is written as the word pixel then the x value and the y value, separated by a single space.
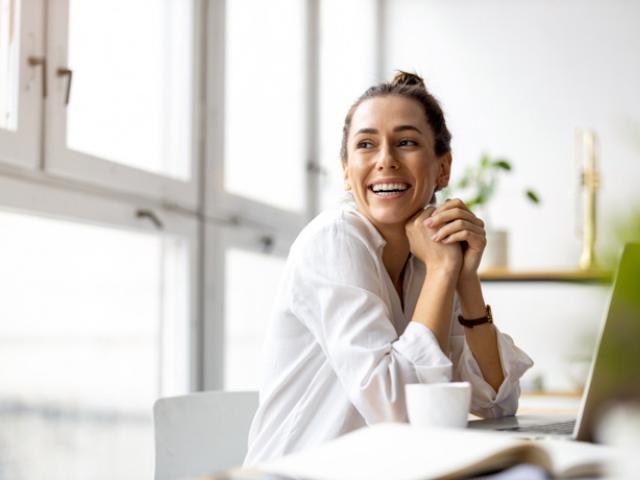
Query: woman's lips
pixel 388 195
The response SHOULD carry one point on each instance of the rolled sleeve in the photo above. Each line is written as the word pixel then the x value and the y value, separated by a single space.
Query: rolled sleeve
pixel 486 402
pixel 420 346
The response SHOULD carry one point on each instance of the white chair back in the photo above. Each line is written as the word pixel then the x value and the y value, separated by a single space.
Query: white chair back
pixel 201 433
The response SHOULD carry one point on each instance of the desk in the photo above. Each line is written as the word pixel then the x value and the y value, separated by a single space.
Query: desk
pixel 561 403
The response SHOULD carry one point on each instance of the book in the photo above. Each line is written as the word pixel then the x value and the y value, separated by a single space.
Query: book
pixel 400 451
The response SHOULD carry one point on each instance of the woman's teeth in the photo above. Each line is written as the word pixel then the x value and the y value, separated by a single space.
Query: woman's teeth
pixel 389 188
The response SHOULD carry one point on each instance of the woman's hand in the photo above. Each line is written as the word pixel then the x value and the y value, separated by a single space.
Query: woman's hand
pixel 446 257
pixel 455 223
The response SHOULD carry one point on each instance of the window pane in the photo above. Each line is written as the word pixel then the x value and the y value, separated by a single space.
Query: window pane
pixel 9 56
pixel 81 321
pixel 132 83
pixel 264 94
pixel 347 68
pixel 251 282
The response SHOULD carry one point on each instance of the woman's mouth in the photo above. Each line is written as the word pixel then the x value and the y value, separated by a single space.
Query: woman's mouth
pixel 389 190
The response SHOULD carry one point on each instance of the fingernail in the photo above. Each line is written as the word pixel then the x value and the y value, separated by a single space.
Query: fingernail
pixel 435 237
pixel 430 222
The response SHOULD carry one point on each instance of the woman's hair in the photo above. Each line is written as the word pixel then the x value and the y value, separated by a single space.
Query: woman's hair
pixel 408 85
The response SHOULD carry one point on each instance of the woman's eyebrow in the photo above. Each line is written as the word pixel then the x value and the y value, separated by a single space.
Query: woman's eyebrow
pixel 367 130
pixel 402 128
pixel 399 128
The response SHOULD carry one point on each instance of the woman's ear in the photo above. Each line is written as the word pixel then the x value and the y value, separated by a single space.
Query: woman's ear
pixel 345 175
pixel 445 171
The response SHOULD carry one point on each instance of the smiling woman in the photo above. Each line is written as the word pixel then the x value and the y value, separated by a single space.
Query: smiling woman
pixel 383 292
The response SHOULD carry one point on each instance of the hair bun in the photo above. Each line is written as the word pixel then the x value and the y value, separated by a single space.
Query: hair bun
pixel 408 79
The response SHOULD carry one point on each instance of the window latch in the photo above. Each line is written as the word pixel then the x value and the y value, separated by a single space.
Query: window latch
pixel 66 72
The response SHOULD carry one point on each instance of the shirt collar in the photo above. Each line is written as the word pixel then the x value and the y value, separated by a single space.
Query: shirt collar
pixel 377 239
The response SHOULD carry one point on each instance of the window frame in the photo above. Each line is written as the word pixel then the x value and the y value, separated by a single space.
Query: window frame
pixel 62 161
pixel 224 205
pixel 221 237
pixel 23 147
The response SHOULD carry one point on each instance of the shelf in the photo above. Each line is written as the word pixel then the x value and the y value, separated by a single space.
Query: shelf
pixel 568 276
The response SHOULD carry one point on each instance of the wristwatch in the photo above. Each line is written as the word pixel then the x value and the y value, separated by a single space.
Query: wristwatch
pixel 488 318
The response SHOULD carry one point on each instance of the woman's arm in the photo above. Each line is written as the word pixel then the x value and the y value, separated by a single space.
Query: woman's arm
pixel 435 302
pixel 455 223
pixel 481 339
pixel 434 307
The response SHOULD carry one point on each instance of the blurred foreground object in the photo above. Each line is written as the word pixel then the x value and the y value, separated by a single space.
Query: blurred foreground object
pixel 620 428
pixel 616 367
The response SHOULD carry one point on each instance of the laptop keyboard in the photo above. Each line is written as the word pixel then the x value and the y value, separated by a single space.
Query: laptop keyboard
pixel 560 428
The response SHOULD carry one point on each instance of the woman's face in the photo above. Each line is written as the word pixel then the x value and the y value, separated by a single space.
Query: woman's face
pixel 392 169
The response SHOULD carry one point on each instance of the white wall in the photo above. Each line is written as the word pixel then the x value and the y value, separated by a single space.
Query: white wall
pixel 516 79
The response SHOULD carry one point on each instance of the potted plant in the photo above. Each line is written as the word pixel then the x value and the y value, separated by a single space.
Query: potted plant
pixel 476 188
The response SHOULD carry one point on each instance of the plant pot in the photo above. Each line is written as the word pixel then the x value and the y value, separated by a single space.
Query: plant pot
pixel 496 253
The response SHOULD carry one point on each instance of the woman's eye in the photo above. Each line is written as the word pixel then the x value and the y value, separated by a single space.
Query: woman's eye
pixel 407 143
pixel 365 144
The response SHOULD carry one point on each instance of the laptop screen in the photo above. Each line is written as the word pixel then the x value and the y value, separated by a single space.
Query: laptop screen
pixel 615 371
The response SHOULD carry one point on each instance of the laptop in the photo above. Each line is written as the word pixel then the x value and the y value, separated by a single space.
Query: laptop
pixel 615 369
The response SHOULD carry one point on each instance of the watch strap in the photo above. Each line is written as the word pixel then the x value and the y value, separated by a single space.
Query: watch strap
pixel 474 322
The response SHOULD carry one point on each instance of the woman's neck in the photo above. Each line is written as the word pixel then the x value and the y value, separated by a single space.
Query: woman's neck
pixel 395 253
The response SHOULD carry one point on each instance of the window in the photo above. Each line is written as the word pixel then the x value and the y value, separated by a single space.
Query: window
pixel 265 101
pixel 259 142
pixel 132 88
pixel 348 62
pixel 127 281
pixel 95 324
pixel 120 83
pixel 251 284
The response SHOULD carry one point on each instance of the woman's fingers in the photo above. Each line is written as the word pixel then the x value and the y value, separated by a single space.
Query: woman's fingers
pixel 418 219
pixel 457 226
pixel 443 216
pixel 475 240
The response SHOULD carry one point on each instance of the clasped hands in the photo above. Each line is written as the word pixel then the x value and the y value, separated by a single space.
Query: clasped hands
pixel 449 238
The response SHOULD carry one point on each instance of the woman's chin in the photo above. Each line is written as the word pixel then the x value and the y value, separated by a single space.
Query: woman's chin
pixel 390 217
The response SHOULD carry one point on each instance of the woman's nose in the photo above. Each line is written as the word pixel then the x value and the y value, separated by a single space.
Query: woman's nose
pixel 386 159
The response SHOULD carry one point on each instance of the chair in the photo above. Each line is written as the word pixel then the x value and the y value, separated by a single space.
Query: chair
pixel 201 433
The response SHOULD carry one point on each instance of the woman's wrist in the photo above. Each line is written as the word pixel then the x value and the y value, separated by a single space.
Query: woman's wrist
pixel 468 279
pixel 471 298
pixel 451 271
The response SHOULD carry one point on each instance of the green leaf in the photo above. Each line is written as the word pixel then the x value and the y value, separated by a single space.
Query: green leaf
pixel 533 196
pixel 503 164
pixel 484 161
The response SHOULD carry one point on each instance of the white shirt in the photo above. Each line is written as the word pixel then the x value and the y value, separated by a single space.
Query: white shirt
pixel 340 348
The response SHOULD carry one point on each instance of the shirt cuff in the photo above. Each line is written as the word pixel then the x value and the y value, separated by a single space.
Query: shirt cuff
pixel 419 345
pixel 514 363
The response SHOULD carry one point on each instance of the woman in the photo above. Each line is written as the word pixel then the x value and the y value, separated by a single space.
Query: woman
pixel 375 294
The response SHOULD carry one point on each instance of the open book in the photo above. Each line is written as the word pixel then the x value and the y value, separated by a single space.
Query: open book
pixel 401 452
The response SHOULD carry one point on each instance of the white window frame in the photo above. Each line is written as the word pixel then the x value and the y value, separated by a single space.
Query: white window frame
pixel 67 163
pixel 23 147
pixel 227 206
pixel 220 238
pixel 24 196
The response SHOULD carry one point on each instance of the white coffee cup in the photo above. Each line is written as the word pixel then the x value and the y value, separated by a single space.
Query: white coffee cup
pixel 438 404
